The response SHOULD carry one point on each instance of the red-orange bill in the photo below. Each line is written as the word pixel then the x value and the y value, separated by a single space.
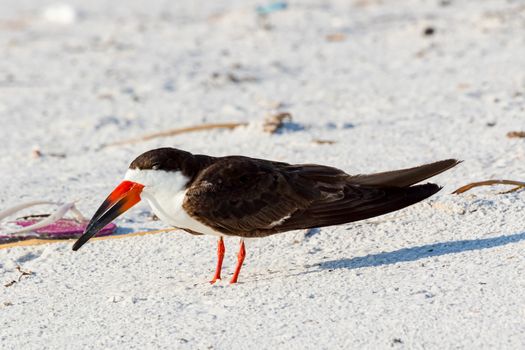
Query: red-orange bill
pixel 123 197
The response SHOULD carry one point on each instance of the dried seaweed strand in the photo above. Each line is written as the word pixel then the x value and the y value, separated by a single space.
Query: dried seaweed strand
pixel 23 273
pixel 39 241
pixel 516 134
pixel 173 132
pixel 518 184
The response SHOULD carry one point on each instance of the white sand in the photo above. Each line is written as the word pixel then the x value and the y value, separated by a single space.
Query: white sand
pixel 446 273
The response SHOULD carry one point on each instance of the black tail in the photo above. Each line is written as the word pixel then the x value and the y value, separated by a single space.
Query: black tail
pixel 404 177
pixel 364 204
pixel 362 196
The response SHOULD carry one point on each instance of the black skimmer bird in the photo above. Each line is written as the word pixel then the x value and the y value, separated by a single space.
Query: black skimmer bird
pixel 247 197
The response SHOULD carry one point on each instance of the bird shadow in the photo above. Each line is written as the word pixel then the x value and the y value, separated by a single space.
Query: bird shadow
pixel 420 252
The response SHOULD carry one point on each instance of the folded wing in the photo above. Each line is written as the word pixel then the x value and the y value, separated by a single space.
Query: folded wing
pixel 247 197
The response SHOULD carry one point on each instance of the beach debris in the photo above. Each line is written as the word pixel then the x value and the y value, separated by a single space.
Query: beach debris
pixel 274 123
pixel 39 241
pixel 280 122
pixel 323 142
pixel 45 226
pixel 236 74
pixel 177 131
pixel 429 31
pixel 518 185
pixel 9 284
pixel 237 79
pixel 397 341
pixel 264 10
pixel 335 37
pixel 22 274
pixel 10 211
pixel 516 134
pixel 37 153
pixel 48 219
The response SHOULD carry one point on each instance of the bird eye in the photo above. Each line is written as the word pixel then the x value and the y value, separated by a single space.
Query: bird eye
pixel 156 166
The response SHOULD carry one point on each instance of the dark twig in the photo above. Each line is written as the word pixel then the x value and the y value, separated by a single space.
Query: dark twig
pixel 519 185
pixel 173 132
pixel 23 273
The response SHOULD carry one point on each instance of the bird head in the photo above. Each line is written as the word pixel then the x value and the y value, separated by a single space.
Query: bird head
pixel 158 170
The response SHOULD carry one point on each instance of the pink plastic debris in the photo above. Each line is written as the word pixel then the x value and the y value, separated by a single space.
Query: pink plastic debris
pixel 61 229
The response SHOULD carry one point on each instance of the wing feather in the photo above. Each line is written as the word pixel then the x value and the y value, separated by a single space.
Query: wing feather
pixel 242 196
pixel 251 197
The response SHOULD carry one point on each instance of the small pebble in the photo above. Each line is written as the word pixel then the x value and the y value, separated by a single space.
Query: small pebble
pixel 429 31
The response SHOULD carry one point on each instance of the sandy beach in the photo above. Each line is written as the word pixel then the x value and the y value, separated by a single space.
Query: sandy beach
pixel 371 86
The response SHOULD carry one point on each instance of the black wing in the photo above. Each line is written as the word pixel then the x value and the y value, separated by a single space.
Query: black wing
pixel 247 197
pixel 244 196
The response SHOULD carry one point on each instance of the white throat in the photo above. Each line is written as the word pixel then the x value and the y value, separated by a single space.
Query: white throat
pixel 165 192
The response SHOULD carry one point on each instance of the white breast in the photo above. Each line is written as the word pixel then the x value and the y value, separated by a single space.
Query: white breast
pixel 165 192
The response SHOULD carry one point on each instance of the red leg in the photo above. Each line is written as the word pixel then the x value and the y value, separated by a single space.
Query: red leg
pixel 220 257
pixel 240 259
